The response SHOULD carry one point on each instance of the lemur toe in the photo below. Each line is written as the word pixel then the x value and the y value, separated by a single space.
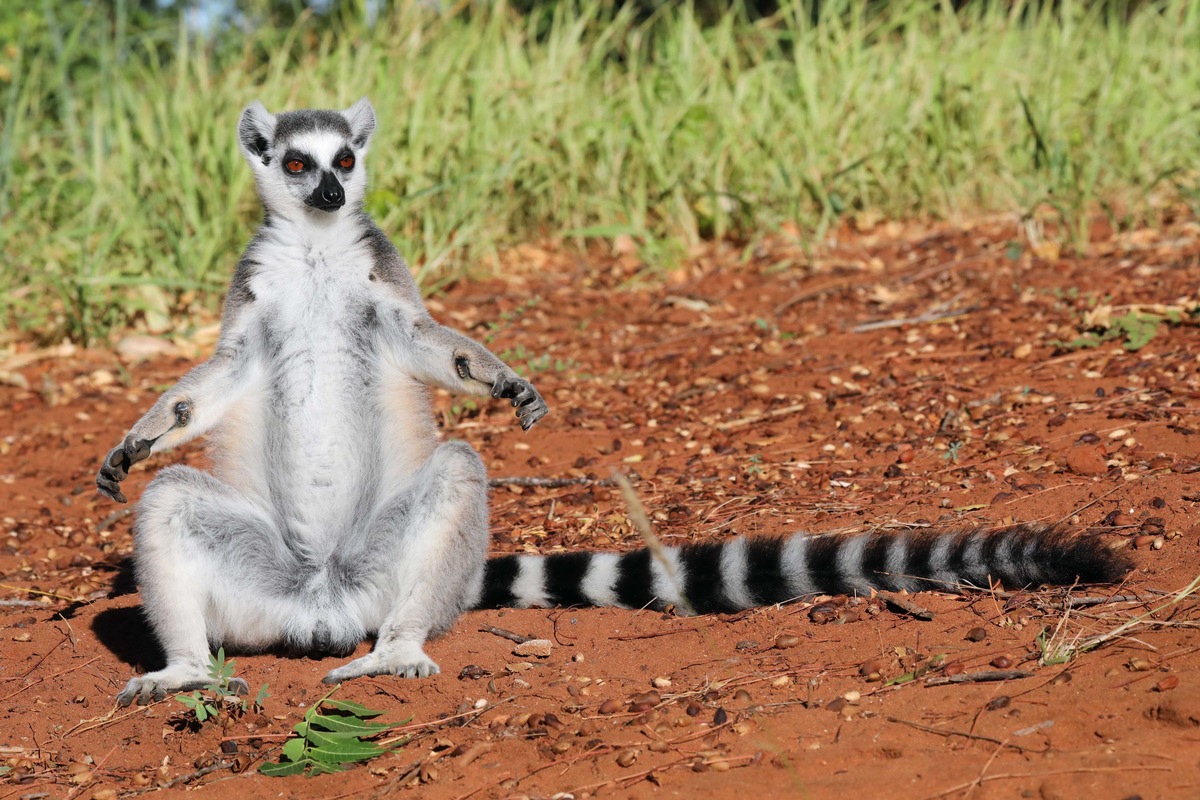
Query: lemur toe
pixel 110 490
pixel 155 686
pixel 136 450
pixel 530 415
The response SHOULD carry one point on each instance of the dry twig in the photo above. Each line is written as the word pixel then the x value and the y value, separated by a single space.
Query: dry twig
pixel 505 634
pixel 548 483
pixel 984 676
pixel 1005 776
pixel 905 604
pixel 950 733
pixel 637 514
pixel 759 416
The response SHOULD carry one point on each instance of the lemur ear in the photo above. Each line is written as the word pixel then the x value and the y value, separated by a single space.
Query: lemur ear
pixel 361 117
pixel 256 129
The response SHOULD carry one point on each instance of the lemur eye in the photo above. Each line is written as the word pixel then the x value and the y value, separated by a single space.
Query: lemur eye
pixel 294 165
pixel 346 162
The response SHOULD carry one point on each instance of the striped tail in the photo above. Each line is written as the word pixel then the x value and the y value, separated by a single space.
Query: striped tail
pixel 750 572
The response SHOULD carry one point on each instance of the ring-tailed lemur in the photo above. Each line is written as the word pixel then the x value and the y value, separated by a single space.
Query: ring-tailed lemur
pixel 334 512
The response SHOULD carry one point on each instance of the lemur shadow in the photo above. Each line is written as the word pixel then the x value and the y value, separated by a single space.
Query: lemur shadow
pixel 127 634
pixel 125 631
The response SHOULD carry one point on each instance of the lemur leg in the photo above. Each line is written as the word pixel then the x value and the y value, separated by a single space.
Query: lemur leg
pixel 204 555
pixel 430 541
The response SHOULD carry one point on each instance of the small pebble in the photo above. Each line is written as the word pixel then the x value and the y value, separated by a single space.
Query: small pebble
pixel 871 670
pixel 1002 662
pixel 1167 684
pixel 786 640
pixel 661 683
pixel 626 757
pixel 538 648
pixel 610 706
pixel 720 717
pixel 997 703
pixel 824 613
pixel 976 635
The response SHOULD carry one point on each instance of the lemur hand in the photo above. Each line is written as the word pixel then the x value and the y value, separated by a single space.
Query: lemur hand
pixel 116 466
pixel 526 399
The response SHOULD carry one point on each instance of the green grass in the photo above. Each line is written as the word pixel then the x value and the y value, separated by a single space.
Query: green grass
pixel 122 191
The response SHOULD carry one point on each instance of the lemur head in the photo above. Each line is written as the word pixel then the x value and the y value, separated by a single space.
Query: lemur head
pixel 308 162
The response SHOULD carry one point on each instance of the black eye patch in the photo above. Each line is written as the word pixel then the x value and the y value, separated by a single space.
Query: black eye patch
pixel 296 163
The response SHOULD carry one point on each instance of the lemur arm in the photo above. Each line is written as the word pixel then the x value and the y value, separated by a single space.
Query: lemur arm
pixel 448 359
pixel 188 409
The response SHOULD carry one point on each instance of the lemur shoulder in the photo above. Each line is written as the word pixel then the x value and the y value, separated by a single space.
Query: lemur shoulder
pixel 334 511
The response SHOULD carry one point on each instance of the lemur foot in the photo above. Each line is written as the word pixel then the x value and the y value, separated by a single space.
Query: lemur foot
pixel 157 685
pixel 405 661
pixel 526 399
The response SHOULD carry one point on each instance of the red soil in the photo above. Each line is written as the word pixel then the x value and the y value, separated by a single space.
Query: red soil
pixel 737 391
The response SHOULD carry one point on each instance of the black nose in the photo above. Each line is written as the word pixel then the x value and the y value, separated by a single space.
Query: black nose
pixel 329 195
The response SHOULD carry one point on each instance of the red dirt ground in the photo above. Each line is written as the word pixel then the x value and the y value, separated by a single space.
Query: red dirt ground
pixel 738 393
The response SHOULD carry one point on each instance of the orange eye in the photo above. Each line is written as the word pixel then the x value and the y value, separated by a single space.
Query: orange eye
pixel 346 162
pixel 295 165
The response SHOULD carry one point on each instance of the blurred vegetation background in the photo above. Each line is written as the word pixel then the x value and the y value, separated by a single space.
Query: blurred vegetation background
pixel 122 192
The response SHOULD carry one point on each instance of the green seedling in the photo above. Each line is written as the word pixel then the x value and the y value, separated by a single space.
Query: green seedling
pixel 223 692
pixel 924 668
pixel 332 734
pixel 1134 329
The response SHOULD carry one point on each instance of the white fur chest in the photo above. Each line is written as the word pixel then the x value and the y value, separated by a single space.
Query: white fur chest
pixel 315 309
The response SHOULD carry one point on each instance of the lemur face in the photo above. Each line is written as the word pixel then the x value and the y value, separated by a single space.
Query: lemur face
pixel 308 162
